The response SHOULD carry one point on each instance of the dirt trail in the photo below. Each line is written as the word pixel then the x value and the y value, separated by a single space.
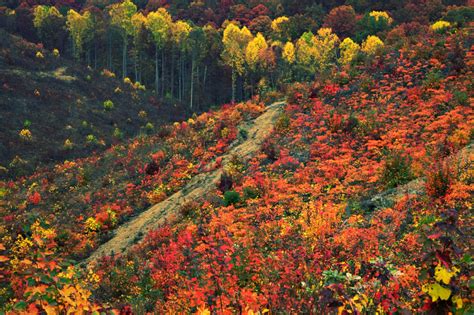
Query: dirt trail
pixel 199 186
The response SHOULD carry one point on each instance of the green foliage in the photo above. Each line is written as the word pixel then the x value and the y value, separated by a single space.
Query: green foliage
pixel 159 23
pixel 461 97
pixel 372 24
pixel 283 122
pixel 251 193
pixel 231 198
pixel 108 105
pixel 460 15
pixel 397 170
pixel 433 78
pixel 118 133
pixel 121 17
pixel 91 139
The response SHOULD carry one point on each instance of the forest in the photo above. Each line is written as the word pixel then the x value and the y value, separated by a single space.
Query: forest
pixel 236 156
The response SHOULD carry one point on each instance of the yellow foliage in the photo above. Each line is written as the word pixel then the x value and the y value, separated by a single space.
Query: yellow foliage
pixel 42 13
pixel 55 52
pixel 235 42
pixel 68 144
pixel 92 224
pixel 180 32
pixel 348 51
pixel 444 275
pixel 317 51
pixel 138 23
pixel 289 53
pixel 277 23
pixel 121 16
pixel 440 26
pixel 254 49
pixel 22 246
pixel 80 27
pixel 372 45
pixel 436 291
pixel 26 134
pixel 381 15
pixel 39 55
pixel 41 232
pixel 159 23
pixel 457 300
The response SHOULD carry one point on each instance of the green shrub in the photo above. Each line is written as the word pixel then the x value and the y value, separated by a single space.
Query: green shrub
pixel 433 78
pixel 283 122
pixel 251 193
pixel 91 139
pixel 460 15
pixel 118 133
pixel 397 170
pixel 461 98
pixel 149 127
pixel 108 105
pixel 231 198
pixel 243 133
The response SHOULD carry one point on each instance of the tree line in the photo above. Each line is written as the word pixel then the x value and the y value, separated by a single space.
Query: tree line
pixel 183 62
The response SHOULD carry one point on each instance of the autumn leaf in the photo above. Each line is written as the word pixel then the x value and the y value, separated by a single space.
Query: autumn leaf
pixel 436 291
pixel 444 275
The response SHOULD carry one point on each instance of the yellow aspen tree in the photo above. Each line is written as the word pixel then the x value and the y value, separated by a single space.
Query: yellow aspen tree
pixel 159 24
pixel 80 28
pixel 372 45
pixel 348 51
pixel 289 54
pixel 180 34
pixel 235 42
pixel 254 50
pixel 138 23
pixel 325 43
pixel 280 27
pixel 121 17
pixel 47 20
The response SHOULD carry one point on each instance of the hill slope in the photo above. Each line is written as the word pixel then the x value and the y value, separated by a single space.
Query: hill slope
pixel 200 185
pixel 294 227
pixel 55 100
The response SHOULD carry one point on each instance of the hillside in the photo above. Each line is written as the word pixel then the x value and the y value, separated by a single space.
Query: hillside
pixel 335 177
pixel 60 105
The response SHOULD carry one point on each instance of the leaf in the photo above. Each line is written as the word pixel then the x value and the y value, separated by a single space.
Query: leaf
pixel 436 291
pixel 444 275
pixel 19 306
pixel 4 258
pixel 457 300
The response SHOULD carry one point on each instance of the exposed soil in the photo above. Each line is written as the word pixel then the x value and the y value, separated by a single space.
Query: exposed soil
pixel 200 185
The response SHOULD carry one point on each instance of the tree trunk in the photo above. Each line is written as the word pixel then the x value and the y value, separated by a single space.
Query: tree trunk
pixel 172 73
pixel 95 53
pixel 156 70
pixel 109 52
pixel 180 71
pixel 162 73
pixel 192 85
pixel 124 58
pixel 234 79
pixel 136 65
